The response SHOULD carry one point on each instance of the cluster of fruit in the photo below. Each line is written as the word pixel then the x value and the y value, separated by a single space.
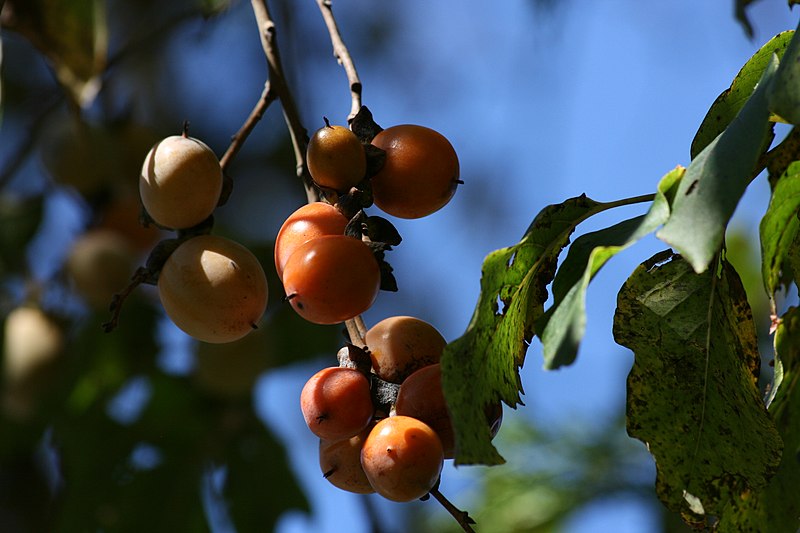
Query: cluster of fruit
pixel 211 287
pixel 381 415
pixel 328 257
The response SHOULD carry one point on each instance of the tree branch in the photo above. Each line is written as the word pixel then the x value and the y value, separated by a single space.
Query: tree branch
pixel 277 81
pixel 462 517
pixel 267 97
pixel 342 55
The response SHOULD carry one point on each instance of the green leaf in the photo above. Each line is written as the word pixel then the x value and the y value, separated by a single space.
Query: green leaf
pixel 716 180
pixel 210 8
pixel 779 227
pixel 482 366
pixel 19 221
pixel 777 508
pixel 730 102
pixel 73 36
pixel 783 94
pixel 564 323
pixel 252 457
pixel 692 392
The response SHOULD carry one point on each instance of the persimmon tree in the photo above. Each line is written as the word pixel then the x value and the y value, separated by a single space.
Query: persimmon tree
pixel 724 447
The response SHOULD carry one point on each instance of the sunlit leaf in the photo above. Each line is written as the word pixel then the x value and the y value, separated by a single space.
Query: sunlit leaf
pixel 716 180
pixel 783 94
pixel 775 508
pixel 730 102
pixel 692 392
pixel 482 366
pixel 779 227
pixel 563 326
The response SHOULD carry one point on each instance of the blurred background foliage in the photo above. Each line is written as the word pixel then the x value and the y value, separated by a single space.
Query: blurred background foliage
pixel 143 429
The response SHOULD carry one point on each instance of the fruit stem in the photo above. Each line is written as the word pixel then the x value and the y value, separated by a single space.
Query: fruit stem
pixel 462 517
pixel 356 331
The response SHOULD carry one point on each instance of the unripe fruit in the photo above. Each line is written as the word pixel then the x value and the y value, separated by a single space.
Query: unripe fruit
pixel 400 345
pixel 420 173
pixel 336 158
pixel 340 462
pixel 99 264
pixel 331 279
pixel 402 458
pixel 180 182
pixel 32 342
pixel 336 403
pixel 309 222
pixel 213 288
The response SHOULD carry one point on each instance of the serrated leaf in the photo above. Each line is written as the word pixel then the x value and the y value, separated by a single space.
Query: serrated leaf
pixel 731 100
pixel 716 180
pixel 72 34
pixel 692 391
pixel 777 508
pixel 783 95
pixel 491 351
pixel 564 323
pixel 779 227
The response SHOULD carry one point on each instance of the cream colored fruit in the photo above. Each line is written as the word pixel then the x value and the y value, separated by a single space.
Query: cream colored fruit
pixel 100 263
pixel 213 288
pixel 180 182
pixel 32 342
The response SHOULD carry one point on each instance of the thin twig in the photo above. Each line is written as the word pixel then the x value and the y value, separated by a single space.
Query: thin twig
pixel 140 276
pixel 342 55
pixel 298 133
pixel 267 97
pixel 462 517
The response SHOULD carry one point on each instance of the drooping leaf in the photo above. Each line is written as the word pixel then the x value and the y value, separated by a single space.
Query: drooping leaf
pixel 731 100
pixel 777 508
pixel 716 180
pixel 563 326
pixel 72 34
pixel 779 227
pixel 740 8
pixel 692 391
pixel 482 366
pixel 783 95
